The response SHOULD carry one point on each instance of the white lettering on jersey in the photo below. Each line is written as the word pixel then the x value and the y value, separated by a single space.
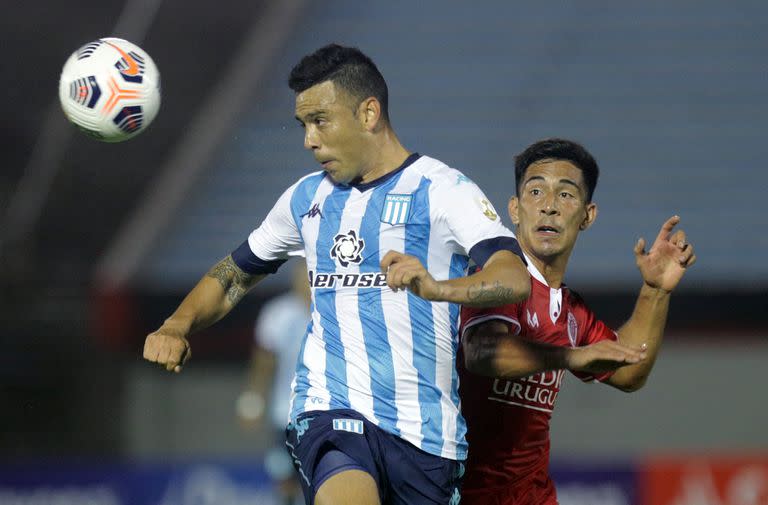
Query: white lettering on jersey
pixel 533 322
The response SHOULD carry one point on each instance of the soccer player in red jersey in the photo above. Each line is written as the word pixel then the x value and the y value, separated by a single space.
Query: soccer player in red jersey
pixel 514 356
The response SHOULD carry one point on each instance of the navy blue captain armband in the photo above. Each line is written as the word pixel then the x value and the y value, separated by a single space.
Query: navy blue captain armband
pixel 252 264
pixel 484 249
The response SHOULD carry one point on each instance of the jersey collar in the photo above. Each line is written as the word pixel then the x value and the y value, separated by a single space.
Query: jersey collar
pixel 384 178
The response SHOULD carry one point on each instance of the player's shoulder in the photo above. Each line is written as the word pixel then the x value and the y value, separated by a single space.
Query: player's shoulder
pixel 575 298
pixel 312 178
pixel 305 188
pixel 438 172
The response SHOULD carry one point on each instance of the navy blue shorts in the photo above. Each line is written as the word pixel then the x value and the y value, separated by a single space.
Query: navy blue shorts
pixel 324 443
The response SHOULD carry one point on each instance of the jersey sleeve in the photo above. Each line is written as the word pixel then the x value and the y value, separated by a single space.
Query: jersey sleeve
pixel 274 241
pixel 592 330
pixel 472 316
pixel 465 214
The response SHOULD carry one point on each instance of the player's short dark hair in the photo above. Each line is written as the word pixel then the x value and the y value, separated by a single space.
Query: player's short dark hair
pixel 346 67
pixel 558 149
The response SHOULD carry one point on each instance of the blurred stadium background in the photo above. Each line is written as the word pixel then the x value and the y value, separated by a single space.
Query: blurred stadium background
pixel 100 242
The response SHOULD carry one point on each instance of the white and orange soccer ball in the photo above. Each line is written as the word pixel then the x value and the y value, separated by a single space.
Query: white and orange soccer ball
pixel 110 89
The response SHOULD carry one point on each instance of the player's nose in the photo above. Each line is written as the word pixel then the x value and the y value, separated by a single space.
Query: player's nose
pixel 548 207
pixel 310 139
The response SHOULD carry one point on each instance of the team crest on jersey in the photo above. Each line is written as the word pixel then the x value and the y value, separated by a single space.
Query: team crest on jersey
pixel 347 248
pixel 396 208
pixel 573 329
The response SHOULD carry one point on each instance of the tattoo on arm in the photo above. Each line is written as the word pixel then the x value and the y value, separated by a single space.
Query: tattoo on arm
pixel 488 293
pixel 235 282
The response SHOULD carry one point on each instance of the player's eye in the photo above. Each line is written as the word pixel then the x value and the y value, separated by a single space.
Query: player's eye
pixel 566 194
pixel 535 192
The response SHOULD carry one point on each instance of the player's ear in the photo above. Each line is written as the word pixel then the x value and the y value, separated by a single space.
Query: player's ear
pixel 512 208
pixel 369 113
pixel 591 215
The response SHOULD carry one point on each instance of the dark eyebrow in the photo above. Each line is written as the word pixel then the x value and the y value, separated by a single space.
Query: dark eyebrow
pixel 310 116
pixel 562 181
pixel 533 177
pixel 568 181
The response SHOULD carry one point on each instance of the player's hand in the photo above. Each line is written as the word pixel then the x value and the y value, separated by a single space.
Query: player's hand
pixel 603 356
pixel 670 255
pixel 406 271
pixel 168 347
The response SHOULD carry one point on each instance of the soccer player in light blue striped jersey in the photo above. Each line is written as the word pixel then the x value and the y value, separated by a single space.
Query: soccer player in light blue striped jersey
pixel 387 235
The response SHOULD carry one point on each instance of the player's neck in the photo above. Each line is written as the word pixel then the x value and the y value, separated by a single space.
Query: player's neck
pixel 551 268
pixel 389 154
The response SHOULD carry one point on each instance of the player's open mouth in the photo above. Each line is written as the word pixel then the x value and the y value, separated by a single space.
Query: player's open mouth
pixel 548 230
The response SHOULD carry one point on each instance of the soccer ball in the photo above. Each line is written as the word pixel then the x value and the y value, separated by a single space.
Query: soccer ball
pixel 110 89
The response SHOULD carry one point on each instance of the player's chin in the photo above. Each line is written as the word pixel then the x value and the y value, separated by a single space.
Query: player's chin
pixel 337 177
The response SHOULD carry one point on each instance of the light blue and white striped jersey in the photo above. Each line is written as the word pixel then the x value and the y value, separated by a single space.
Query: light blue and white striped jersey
pixel 389 356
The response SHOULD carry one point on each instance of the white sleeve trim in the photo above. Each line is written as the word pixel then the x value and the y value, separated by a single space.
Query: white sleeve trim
pixel 491 317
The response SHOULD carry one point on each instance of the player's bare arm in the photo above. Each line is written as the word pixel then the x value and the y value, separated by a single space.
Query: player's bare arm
pixel 212 298
pixel 661 267
pixel 504 279
pixel 490 349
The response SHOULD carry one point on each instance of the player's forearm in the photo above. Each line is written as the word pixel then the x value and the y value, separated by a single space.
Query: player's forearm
pixel 504 279
pixel 645 326
pixel 212 298
pixel 511 357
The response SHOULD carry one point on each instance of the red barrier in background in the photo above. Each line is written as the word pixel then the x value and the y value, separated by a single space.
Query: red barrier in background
pixel 704 480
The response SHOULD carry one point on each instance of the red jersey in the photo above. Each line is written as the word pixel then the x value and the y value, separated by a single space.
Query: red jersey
pixel 508 419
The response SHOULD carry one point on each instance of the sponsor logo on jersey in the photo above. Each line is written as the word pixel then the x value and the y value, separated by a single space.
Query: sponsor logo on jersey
pixel 347 248
pixel 537 392
pixel 350 425
pixel 533 321
pixel 313 211
pixel 334 280
pixel 573 329
pixel 396 208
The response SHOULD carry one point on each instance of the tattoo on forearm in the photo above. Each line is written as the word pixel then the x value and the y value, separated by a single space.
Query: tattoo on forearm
pixel 488 293
pixel 234 281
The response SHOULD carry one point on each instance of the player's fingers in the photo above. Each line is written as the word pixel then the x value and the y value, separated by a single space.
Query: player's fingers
pixel 690 261
pixel 187 355
pixel 627 355
pixel 175 356
pixel 679 239
pixel 640 247
pixel 163 355
pixel 390 258
pixel 150 348
pixel 667 227
pixel 634 353
pixel 685 255
pixel 393 274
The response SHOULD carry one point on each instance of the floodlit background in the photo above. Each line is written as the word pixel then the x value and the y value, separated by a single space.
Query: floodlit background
pixel 99 242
